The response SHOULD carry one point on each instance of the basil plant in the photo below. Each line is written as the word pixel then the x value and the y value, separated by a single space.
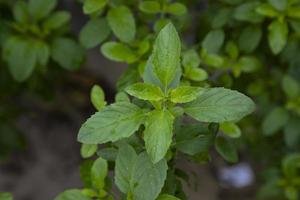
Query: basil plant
pixel 142 133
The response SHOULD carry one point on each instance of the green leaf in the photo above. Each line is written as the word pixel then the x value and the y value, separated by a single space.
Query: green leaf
pixel 118 52
pixel 275 120
pixel 67 53
pixel 122 23
pixel 278 33
pixel 20 57
pixel 21 12
pixel 249 64
pixel 39 9
pixel 291 165
pixel 292 132
pixel 136 174
pixel 158 134
pixel 291 192
pixel 226 149
pixel 167 197
pixel 213 60
pixel 5 196
pixel 145 91
pixel 279 4
pixel 230 129
pixel 94 33
pixel 99 172
pixel 221 17
pixel 191 59
pixel 213 41
pixel 185 94
pixel 195 74
pixel 145 174
pixel 93 6
pixel 176 9
pixel 71 195
pixel 294 12
pixel 246 12
pixel 151 7
pixel 42 51
pixel 166 55
pixel 250 38
pixel 88 150
pixel 290 86
pixel 232 50
pixel 98 97
pixel 116 121
pixel 193 139
pixel 220 105
pixel 125 162
pixel 109 153
pixel 267 10
pixel 57 20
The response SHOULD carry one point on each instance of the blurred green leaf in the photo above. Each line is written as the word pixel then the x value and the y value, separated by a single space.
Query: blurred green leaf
pixel 39 9
pixel 226 149
pixel 275 120
pixel 213 41
pixel 97 97
pixel 278 33
pixel 151 7
pixel 67 53
pixel 122 23
pixel 118 52
pixel 93 6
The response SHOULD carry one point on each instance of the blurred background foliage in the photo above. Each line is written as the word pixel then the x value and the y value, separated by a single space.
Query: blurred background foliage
pixel 252 46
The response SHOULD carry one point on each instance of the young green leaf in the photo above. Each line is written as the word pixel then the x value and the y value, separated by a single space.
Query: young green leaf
pixel 166 55
pixel 220 105
pixel 145 91
pixel 167 197
pixel 57 20
pixel 122 23
pixel 93 6
pixel 275 120
pixel 20 57
pixel 99 172
pixel 278 32
pixel 185 94
pixel 98 97
pixel 213 41
pixel 118 52
pixel 39 9
pixel 116 121
pixel 67 53
pixel 158 134
pixel 71 195
pixel 88 150
pixel 230 129
pixel 226 149
pixel 151 7
pixel 176 9
pixel 94 32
